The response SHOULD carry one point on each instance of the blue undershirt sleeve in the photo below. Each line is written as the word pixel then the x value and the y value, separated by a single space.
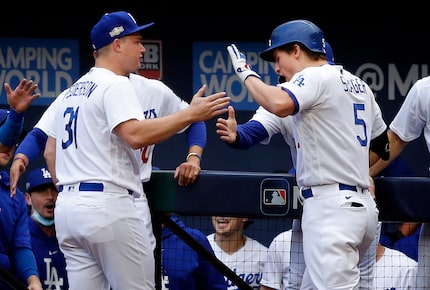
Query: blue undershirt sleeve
pixel 33 144
pixel 25 263
pixel 196 134
pixel 11 129
pixel 249 134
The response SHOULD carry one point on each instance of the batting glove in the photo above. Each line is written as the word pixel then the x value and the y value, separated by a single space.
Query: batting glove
pixel 241 66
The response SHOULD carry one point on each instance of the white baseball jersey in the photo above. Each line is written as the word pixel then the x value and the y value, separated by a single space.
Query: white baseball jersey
pixel 411 120
pixel 285 263
pixel 157 100
pixel 247 262
pixel 395 270
pixel 328 119
pixel 48 118
pixel 87 149
pixel 276 125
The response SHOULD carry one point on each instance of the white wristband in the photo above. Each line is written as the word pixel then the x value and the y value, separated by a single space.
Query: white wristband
pixel 193 154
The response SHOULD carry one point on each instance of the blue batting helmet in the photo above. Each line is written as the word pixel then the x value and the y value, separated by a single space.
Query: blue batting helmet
pixel 302 31
pixel 329 53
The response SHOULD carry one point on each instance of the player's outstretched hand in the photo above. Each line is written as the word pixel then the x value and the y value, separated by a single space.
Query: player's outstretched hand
pixel 21 97
pixel 17 168
pixel 227 128
pixel 240 64
pixel 205 108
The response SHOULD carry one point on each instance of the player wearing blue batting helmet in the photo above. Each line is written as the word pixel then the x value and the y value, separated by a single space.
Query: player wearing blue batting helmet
pixel 302 31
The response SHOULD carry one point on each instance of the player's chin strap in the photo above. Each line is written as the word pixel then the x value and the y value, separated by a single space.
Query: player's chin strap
pixel 41 220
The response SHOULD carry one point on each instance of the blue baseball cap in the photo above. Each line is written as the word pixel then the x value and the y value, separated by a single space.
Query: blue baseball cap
pixel 112 26
pixel 39 177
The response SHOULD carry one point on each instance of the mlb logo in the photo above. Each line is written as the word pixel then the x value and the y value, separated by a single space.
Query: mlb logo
pixel 151 65
pixel 275 196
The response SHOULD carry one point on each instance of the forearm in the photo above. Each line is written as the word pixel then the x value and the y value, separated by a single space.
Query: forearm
pixel 25 263
pixel 249 134
pixel 396 147
pixel 272 98
pixel 11 129
pixel 33 144
pixel 147 132
pixel 196 135
pixel 408 228
pixel 49 155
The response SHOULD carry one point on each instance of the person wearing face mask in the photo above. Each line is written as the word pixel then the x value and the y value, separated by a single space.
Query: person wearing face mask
pixel 41 195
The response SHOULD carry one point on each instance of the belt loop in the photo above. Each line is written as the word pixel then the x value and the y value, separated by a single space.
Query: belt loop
pixel 347 187
pixel 304 194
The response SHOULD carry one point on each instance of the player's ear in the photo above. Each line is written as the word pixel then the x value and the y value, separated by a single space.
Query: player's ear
pixel 28 199
pixel 246 222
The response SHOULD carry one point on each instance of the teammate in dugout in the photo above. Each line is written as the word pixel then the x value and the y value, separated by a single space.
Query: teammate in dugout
pixel 412 120
pixel 41 195
pixel 241 253
pixel 322 98
pixel 110 52
pixel 184 268
pixel 16 255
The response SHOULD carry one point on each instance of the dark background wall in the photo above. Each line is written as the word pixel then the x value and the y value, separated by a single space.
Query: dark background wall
pixel 358 35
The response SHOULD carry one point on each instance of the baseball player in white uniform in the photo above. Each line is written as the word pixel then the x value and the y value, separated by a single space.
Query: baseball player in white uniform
pixel 98 227
pixel 284 254
pixel 332 152
pixel 157 100
pixel 412 120
pixel 260 129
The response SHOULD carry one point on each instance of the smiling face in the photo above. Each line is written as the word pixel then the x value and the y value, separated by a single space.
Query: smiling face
pixel 228 226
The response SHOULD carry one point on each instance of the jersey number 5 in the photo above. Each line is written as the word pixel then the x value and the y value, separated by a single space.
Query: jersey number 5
pixel 360 122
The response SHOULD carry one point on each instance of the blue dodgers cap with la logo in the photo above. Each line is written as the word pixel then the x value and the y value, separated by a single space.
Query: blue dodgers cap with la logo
pixel 38 177
pixel 112 26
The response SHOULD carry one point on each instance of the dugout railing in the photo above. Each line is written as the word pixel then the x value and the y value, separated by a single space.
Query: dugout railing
pixel 259 195
pixel 264 195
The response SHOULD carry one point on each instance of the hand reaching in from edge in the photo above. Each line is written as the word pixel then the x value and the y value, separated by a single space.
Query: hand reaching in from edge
pixel 17 168
pixel 227 128
pixel 22 96
pixel 207 107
